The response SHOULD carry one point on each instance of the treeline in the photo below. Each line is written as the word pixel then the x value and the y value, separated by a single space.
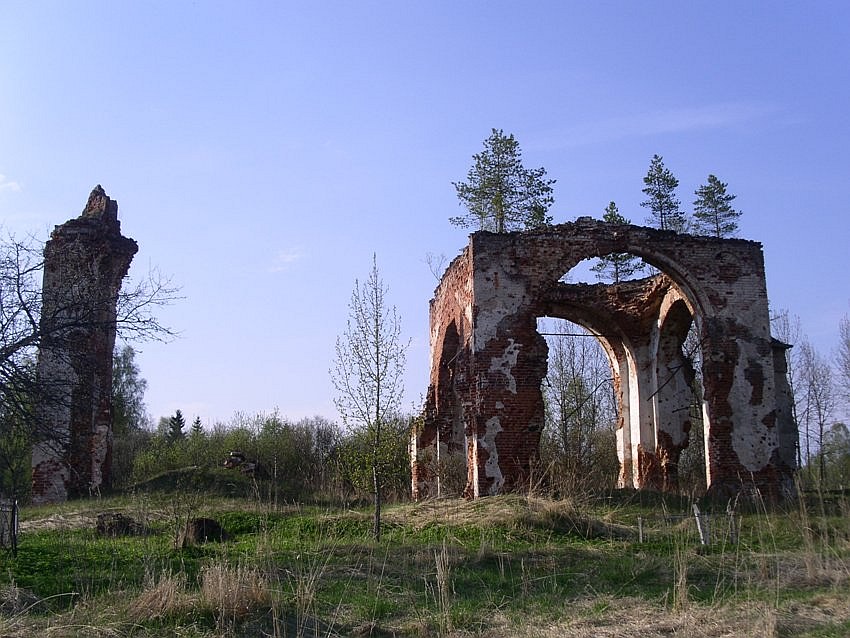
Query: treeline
pixel 820 384
pixel 308 459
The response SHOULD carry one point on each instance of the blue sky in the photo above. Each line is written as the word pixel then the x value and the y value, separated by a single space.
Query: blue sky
pixel 261 152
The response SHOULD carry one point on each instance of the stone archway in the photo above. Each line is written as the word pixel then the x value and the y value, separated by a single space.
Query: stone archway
pixel 491 295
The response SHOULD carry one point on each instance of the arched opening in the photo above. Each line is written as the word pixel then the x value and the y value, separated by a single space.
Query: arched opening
pixel 648 329
pixel 578 445
pixel 703 309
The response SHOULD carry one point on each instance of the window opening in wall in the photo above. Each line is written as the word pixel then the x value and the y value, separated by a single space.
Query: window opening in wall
pixel 609 269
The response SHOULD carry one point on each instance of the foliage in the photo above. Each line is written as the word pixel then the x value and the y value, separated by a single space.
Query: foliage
pixel 367 372
pixel 616 267
pixel 296 460
pixel 14 455
pixel 660 189
pixel 128 393
pixel 499 193
pixel 835 453
pixel 355 454
pixel 130 420
pixel 175 427
pixel 713 212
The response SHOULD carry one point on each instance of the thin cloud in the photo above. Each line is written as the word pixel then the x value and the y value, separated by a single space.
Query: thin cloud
pixel 283 260
pixel 658 122
pixel 9 185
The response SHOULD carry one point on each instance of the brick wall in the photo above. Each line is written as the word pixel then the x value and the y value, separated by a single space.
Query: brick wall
pixel 85 261
pixel 487 359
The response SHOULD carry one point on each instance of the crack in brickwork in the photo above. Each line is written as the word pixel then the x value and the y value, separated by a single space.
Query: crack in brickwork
pixel 484 406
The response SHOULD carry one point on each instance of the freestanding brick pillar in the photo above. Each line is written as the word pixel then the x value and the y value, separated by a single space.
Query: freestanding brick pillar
pixel 85 261
pixel 484 407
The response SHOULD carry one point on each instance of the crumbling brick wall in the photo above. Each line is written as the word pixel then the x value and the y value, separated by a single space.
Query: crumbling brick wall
pixel 85 261
pixel 488 360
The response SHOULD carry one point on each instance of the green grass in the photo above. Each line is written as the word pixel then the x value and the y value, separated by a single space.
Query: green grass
pixel 512 565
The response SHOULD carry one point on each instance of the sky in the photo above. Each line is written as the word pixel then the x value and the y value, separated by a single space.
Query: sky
pixel 262 152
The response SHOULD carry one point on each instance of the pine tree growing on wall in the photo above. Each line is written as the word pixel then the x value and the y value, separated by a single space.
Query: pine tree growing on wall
pixel 713 212
pixel 616 267
pixel 660 189
pixel 499 193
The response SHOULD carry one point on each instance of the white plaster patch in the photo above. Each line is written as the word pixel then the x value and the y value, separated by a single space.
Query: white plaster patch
pixel 506 363
pixel 495 303
pixel 752 440
pixel 491 466
pixel 435 333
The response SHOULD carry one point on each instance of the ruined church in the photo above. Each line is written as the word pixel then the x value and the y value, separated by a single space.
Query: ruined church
pixel 484 407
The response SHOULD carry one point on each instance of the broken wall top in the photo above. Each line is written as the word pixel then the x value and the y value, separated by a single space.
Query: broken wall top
pixel 97 223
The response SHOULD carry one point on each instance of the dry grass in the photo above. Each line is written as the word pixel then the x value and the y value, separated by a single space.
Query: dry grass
pixel 789 577
pixel 505 511
pixel 627 618
pixel 162 595
pixel 234 591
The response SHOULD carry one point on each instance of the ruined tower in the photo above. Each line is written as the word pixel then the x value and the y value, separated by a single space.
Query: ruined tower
pixel 484 409
pixel 85 261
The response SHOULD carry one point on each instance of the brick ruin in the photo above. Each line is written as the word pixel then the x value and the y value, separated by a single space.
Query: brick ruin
pixel 85 261
pixel 484 409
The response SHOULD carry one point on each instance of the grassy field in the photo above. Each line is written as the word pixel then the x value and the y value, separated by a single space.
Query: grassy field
pixel 501 566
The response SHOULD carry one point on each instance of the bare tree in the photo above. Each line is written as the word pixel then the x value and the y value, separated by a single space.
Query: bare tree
pixel 819 400
pixel 843 357
pixel 579 402
pixel 367 372
pixel 786 327
pixel 23 334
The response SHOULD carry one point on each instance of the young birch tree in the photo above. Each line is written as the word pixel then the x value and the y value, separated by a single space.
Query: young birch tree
pixel 368 371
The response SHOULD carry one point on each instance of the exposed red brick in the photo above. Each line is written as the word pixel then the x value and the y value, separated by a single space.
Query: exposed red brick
pixel 85 261
pixel 484 405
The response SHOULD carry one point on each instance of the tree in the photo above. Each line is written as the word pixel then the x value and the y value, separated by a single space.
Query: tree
pixel 818 387
pixel 660 189
pixel 713 212
pixel 843 356
pixel 499 193
pixel 175 427
pixel 128 392
pixel 367 372
pixel 130 420
pixel 580 409
pixel 197 428
pixel 22 334
pixel 616 266
pixel 787 328
pixel 836 455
